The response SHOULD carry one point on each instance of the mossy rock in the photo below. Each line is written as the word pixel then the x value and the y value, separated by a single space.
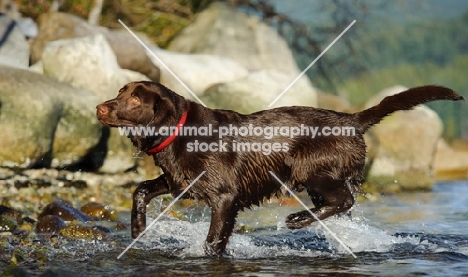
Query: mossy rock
pixel 81 232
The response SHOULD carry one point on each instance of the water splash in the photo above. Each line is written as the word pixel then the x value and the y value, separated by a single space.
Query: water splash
pixel 361 237
pixel 186 239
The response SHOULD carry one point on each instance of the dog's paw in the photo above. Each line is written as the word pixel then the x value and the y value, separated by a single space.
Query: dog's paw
pixel 211 250
pixel 299 220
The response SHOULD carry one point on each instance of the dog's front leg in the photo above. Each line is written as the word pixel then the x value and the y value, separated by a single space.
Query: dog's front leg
pixel 143 194
pixel 223 218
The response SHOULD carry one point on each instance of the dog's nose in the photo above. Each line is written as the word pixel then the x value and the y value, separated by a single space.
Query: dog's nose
pixel 102 109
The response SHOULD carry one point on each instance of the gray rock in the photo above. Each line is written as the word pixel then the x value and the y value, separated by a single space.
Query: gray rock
pixel 37 67
pixel 28 27
pixel 129 52
pixel 76 128
pixel 14 48
pixel 406 147
pixel 87 63
pixel 134 75
pixel 43 120
pixel 120 154
pixel 257 90
pixel 197 71
pixel 223 31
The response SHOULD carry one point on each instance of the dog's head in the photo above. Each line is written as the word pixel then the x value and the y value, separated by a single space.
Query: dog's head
pixel 140 104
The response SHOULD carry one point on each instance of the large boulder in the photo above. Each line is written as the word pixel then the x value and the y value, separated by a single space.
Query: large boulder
pixel 129 52
pixel 14 48
pixel 256 91
pixel 89 63
pixel 44 122
pixel 224 31
pixel 197 71
pixel 406 147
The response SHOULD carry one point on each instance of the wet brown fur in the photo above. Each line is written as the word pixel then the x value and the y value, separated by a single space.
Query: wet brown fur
pixel 329 168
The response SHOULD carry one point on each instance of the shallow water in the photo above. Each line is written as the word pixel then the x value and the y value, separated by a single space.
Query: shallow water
pixel 419 234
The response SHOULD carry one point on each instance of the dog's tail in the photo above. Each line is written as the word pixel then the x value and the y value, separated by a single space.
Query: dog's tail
pixel 403 101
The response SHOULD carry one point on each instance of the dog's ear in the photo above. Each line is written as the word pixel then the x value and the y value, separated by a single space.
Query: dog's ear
pixel 162 101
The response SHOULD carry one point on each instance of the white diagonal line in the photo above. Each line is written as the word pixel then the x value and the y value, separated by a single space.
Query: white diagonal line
pixel 163 64
pixel 160 215
pixel 314 215
pixel 311 64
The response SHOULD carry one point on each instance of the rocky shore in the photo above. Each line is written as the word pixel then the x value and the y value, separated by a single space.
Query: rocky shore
pixel 63 174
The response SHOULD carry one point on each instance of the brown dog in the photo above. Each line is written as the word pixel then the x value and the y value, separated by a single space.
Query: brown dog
pixel 239 154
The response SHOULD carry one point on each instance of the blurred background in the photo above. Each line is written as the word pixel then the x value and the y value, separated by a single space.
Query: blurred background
pixel 409 43
pixel 238 55
pixel 66 181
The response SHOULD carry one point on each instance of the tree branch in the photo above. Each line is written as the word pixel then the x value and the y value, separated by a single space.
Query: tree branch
pixel 95 13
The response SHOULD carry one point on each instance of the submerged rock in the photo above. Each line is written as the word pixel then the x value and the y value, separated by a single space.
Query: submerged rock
pixel 14 270
pixel 51 224
pixel 82 232
pixel 65 211
pixel 12 213
pixel 7 223
pixel 98 211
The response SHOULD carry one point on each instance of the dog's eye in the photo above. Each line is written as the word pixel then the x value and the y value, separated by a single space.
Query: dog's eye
pixel 134 100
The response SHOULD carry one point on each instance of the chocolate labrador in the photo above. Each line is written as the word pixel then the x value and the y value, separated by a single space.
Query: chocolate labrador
pixel 321 151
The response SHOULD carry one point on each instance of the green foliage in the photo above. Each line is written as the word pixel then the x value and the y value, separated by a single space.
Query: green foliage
pixel 34 8
pixel 378 44
pixel 409 53
pixel 429 41
pixel 158 19
pixel 162 27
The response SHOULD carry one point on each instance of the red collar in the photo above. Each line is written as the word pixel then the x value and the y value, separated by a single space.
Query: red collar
pixel 166 142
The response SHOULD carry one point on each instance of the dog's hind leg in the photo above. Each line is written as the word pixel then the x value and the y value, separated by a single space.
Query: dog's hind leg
pixel 331 198
pixel 143 194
